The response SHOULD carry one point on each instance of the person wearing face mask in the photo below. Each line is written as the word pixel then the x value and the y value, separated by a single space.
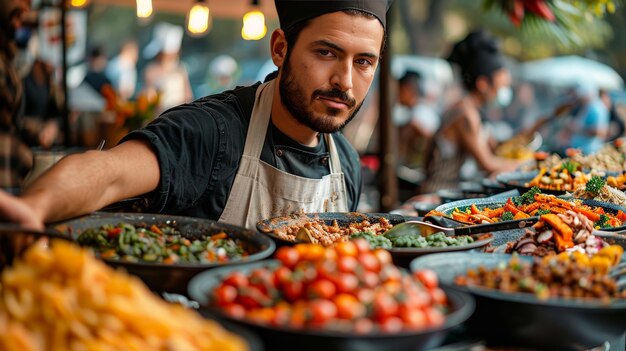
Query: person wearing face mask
pixel 461 134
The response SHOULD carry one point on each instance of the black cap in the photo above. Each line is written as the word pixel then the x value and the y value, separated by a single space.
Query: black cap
pixel 291 12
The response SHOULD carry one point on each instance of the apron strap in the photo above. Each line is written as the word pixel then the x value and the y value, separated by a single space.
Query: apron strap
pixel 259 120
pixel 335 163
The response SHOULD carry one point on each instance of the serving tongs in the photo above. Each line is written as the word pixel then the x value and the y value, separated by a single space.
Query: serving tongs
pixel 452 227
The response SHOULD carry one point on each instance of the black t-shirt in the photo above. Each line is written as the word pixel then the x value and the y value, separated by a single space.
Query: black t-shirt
pixel 199 146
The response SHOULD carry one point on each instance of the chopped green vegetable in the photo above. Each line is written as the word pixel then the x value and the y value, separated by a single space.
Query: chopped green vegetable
pixel 570 166
pixel 603 222
pixel 594 185
pixel 527 198
pixel 541 212
pixel 433 240
pixel 375 241
pixel 507 216
pixel 165 244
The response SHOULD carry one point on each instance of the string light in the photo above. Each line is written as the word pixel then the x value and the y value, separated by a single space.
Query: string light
pixel 253 24
pixel 199 19
pixel 144 8
pixel 78 3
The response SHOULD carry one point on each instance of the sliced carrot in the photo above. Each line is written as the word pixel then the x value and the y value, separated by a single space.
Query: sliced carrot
pixel 474 209
pixel 155 229
pixel 495 213
pixel 520 215
pixel 563 233
pixel 511 208
pixel 220 235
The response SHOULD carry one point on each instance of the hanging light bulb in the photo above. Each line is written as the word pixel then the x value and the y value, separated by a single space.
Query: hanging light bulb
pixel 253 23
pixel 199 19
pixel 78 3
pixel 144 8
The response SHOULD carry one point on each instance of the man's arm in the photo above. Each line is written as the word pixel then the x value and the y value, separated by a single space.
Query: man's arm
pixel 86 182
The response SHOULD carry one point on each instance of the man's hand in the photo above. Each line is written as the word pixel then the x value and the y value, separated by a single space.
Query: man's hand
pixel 13 209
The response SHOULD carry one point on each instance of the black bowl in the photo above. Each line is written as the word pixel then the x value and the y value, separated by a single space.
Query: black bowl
pixel 172 278
pixel 277 339
pixel 522 320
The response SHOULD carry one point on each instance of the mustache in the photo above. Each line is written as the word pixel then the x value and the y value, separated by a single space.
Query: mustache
pixel 336 94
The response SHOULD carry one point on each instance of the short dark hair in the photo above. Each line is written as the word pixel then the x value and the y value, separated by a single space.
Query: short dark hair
pixel 292 33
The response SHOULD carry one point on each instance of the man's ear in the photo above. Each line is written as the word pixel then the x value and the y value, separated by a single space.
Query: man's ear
pixel 278 47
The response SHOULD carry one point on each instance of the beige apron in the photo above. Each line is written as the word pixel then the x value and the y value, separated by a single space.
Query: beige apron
pixel 261 191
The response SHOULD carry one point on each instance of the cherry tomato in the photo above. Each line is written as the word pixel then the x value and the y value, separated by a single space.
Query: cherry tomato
pixel 282 275
pixel 346 283
pixel 365 296
pixel 384 306
pixel 346 248
pixel 321 288
pixel 326 269
pixel 362 245
pixel 384 257
pixel 310 252
pixel 282 313
pixel 262 279
pixel 225 294
pixel 390 272
pixel 438 296
pixel 252 297
pixel 235 311
pixel 347 264
pixel 322 311
pixel 300 314
pixel 427 277
pixel 434 317
pixel 370 279
pixel 236 279
pixel 348 307
pixel 413 318
pixel 288 256
pixel 369 261
pixel 293 290
pixel 393 287
pixel 391 325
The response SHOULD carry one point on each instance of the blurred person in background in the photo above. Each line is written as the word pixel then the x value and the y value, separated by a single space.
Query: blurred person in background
pixel 222 74
pixel 461 135
pixel 41 114
pixel 122 70
pixel 166 76
pixel 15 156
pixel 95 77
pixel 616 123
pixel 404 114
pixel 590 125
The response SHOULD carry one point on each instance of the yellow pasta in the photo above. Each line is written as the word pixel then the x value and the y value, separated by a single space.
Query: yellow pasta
pixel 62 298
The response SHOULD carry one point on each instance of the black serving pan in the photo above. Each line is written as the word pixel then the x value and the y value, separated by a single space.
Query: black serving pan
pixel 518 180
pixel 448 208
pixel 522 320
pixel 290 339
pixel 401 256
pixel 172 278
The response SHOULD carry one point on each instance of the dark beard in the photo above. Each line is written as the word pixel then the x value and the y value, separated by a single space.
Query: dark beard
pixel 294 100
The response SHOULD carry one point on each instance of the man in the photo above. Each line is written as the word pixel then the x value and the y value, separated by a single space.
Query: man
pixel 242 155
pixel 15 157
